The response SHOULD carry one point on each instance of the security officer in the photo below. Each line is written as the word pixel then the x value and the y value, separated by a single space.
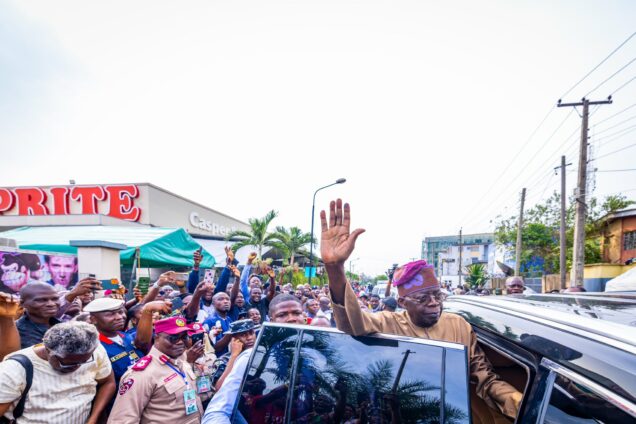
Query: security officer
pixel 109 316
pixel 161 387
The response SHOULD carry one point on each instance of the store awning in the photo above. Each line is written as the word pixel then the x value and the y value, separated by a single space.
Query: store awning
pixel 159 247
pixel 217 249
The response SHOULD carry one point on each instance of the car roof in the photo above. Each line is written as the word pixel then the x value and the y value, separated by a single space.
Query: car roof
pixel 602 350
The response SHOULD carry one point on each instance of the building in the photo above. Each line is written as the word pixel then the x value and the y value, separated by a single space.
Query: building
pixel 126 206
pixel 443 253
pixel 618 243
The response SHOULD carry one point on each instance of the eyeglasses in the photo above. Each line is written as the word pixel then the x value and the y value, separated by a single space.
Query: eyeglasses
pixel 428 298
pixel 174 338
pixel 75 365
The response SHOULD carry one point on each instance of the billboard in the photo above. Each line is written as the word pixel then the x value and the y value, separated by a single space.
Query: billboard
pixel 18 268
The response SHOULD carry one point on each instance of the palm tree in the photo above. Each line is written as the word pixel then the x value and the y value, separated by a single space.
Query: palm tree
pixel 257 236
pixel 477 275
pixel 292 241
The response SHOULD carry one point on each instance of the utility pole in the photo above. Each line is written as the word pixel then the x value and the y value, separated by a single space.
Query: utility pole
pixel 519 227
pixel 459 266
pixel 578 257
pixel 562 240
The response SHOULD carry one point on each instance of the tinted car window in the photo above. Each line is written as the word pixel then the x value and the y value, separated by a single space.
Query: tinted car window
pixel 340 379
pixel 264 390
pixel 572 403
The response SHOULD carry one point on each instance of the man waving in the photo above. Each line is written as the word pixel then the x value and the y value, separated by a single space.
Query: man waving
pixel 420 296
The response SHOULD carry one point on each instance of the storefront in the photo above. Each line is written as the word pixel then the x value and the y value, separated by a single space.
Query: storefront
pixel 48 218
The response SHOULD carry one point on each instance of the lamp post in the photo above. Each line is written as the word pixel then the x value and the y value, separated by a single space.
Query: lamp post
pixel 313 210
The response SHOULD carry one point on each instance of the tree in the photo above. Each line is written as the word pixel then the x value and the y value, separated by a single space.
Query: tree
pixel 292 241
pixel 257 236
pixel 540 233
pixel 476 275
pixel 381 277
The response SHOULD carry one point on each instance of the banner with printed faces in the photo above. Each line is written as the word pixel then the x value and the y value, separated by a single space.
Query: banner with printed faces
pixel 20 268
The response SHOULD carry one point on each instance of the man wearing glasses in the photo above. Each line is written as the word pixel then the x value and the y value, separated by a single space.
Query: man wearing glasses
pixel 72 378
pixel 161 386
pixel 420 295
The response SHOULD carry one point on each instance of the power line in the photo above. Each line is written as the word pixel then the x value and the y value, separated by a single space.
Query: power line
pixel 615 125
pixel 623 86
pixel 611 76
pixel 616 136
pixel 616 170
pixel 615 151
pixel 616 114
pixel 597 66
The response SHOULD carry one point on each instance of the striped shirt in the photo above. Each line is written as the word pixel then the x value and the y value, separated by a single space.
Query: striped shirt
pixel 54 398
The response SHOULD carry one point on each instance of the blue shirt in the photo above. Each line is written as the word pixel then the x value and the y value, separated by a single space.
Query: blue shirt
pixel 210 322
pixel 121 356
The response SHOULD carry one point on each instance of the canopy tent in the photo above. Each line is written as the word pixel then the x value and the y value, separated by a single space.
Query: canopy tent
pixel 159 247
pixel 624 282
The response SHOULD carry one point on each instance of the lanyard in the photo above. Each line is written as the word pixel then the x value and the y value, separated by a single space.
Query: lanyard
pixel 181 374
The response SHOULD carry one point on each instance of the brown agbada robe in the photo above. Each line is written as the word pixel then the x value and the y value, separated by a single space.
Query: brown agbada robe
pixel 450 328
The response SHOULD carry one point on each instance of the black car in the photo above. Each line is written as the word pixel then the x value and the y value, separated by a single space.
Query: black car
pixel 573 357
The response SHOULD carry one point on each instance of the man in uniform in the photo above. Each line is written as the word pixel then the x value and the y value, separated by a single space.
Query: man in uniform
pixel 161 387
pixel 123 349
pixel 420 295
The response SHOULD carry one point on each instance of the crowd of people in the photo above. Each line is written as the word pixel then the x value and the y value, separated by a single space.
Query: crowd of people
pixel 179 351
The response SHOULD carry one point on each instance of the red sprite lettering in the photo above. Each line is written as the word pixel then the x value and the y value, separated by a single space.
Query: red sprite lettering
pixel 122 202
pixel 60 200
pixel 31 201
pixel 7 200
pixel 88 196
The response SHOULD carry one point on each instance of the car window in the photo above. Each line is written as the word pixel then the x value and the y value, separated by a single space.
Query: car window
pixel 344 379
pixel 573 403
pixel 264 391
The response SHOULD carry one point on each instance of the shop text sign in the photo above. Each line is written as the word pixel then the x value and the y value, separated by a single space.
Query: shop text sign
pixel 117 201
pixel 202 224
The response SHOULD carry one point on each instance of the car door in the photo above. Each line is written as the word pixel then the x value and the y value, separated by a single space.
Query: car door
pixel 301 374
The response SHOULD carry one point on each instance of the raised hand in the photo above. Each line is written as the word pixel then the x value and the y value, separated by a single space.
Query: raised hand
pixel 337 242
pixel 167 278
pixel 160 306
pixel 9 305
pixel 235 271
pixel 251 258
pixel 197 257
pixel 230 255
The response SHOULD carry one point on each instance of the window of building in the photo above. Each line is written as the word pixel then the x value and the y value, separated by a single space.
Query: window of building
pixel 629 240
pixel 573 403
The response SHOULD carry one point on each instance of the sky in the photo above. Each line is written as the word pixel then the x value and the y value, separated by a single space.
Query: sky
pixel 436 113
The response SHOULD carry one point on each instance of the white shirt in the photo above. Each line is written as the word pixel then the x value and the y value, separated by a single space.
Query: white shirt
pixel 54 398
pixel 219 411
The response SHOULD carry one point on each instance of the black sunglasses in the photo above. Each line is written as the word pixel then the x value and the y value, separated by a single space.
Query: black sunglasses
pixel 174 338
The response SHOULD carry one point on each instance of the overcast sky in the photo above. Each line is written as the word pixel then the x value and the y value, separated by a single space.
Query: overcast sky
pixel 246 106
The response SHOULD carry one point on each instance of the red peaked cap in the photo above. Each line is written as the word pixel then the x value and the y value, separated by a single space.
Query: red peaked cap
pixel 415 276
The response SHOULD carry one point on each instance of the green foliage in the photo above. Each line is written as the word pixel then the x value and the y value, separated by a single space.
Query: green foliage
pixel 540 233
pixel 291 242
pixel 257 236
pixel 476 275
pixel 298 278
pixel 381 277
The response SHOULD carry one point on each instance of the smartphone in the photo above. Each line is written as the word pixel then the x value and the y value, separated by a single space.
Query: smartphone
pixel 110 284
pixel 181 276
pixel 209 276
pixel 143 283
pixel 197 338
pixel 177 303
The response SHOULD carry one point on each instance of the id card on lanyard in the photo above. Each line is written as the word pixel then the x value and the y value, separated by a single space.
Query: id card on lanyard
pixel 189 395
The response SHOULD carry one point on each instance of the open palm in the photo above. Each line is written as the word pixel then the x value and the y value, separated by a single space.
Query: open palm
pixel 337 242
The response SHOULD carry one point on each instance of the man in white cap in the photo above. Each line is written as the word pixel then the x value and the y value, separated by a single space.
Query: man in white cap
pixel 109 316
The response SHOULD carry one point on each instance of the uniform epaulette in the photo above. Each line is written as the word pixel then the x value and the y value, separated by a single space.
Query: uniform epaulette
pixel 142 363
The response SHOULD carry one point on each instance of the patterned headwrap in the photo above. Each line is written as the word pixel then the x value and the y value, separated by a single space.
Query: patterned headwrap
pixel 414 277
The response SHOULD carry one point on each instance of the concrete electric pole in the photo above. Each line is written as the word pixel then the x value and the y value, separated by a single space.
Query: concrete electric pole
pixel 578 257
pixel 459 266
pixel 519 227
pixel 562 240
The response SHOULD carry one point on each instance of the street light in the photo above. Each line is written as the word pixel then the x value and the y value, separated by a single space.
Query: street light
pixel 313 210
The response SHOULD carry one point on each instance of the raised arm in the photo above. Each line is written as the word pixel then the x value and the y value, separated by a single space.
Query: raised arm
pixel 271 290
pixel 235 287
pixel 193 278
pixel 9 334
pixel 224 279
pixel 336 245
pixel 143 339
pixel 245 275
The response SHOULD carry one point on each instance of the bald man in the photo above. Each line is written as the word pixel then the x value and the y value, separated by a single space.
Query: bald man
pixel 41 304
pixel 514 285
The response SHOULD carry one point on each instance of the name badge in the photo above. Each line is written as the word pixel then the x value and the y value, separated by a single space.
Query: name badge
pixel 203 384
pixel 190 399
